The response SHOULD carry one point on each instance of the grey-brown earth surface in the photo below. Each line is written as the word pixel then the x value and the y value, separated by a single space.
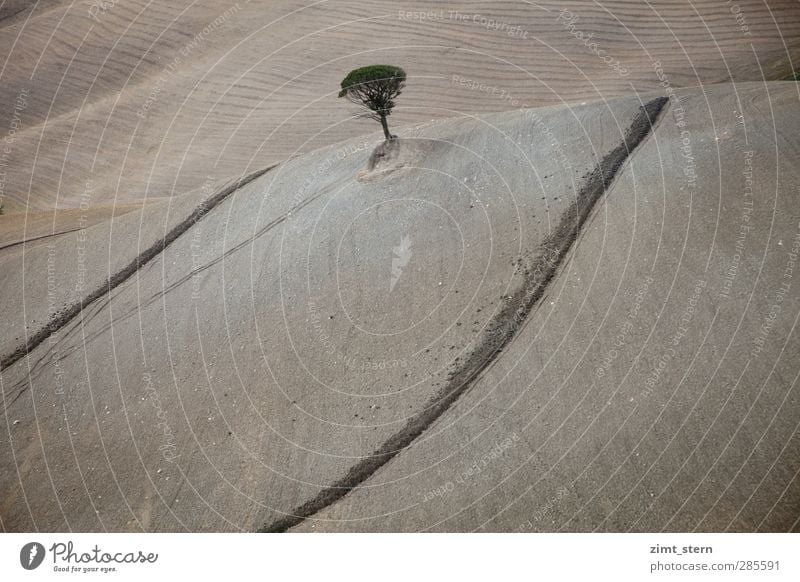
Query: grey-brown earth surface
pixel 171 363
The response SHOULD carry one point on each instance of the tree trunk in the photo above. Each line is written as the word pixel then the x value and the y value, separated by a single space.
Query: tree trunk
pixel 385 125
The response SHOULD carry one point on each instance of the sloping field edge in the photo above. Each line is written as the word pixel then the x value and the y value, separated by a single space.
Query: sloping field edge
pixel 504 325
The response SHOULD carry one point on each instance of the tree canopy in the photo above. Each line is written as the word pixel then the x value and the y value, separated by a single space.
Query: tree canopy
pixel 375 87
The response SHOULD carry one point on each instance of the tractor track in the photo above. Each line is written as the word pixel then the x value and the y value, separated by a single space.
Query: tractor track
pixel 67 314
pixel 502 330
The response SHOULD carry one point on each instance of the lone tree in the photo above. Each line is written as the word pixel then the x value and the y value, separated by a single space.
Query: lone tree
pixel 375 87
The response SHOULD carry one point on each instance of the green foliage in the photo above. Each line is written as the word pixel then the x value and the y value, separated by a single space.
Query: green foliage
pixel 384 76
pixel 375 87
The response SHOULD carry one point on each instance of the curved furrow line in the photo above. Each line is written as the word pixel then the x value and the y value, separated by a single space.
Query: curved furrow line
pixel 505 325
pixel 69 313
